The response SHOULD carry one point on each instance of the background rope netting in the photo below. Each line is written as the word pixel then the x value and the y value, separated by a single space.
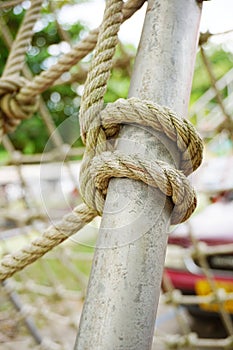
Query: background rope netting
pixel 20 100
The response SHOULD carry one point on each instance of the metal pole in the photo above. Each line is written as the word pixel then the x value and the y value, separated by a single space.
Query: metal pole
pixel 124 288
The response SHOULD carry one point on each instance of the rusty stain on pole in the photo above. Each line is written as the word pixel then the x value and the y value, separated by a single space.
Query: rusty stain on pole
pixel 124 287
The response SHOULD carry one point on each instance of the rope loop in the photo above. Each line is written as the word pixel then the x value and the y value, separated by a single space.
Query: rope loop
pixel 12 109
pixel 98 125
pixel 162 119
pixel 100 164
pixel 158 174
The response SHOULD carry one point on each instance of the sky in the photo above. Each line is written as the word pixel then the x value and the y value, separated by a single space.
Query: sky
pixel 217 17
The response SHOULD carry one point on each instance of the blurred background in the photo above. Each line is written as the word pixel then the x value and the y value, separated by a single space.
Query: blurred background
pixel 40 306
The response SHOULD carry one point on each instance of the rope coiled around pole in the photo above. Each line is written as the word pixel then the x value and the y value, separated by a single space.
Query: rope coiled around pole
pixel 98 124
pixel 100 164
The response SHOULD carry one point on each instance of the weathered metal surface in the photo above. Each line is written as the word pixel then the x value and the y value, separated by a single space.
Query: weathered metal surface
pixel 124 288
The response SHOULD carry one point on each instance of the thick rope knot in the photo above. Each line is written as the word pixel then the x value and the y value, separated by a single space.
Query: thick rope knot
pixel 158 174
pixel 161 119
pixel 99 166
pixel 12 109
pixel 98 125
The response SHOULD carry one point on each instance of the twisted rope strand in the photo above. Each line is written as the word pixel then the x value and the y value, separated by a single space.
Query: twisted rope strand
pixel 92 100
pixel 99 166
pixel 43 109
pixel 22 101
pixel 46 79
pixel 97 125
pixel 9 3
pixel 161 119
pixel 11 112
pixel 16 57
pixel 70 223
pixel 54 235
pixel 158 174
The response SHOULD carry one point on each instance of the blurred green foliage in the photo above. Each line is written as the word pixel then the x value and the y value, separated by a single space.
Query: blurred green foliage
pixel 63 100
pixel 221 62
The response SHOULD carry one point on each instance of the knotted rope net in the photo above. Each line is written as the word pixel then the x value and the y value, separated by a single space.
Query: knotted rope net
pixel 95 130
pixel 19 99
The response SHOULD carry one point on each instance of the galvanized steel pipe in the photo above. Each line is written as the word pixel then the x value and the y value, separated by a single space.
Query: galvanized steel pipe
pixel 124 288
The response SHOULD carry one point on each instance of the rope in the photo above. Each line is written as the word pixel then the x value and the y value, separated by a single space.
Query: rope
pixel 98 168
pixel 46 79
pixel 22 101
pixel 92 101
pixel 99 165
pixel 70 224
pixel 53 236
pixel 157 174
pixel 16 57
pixel 161 119
pixel 5 5
pixel 97 127
pixel 12 111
